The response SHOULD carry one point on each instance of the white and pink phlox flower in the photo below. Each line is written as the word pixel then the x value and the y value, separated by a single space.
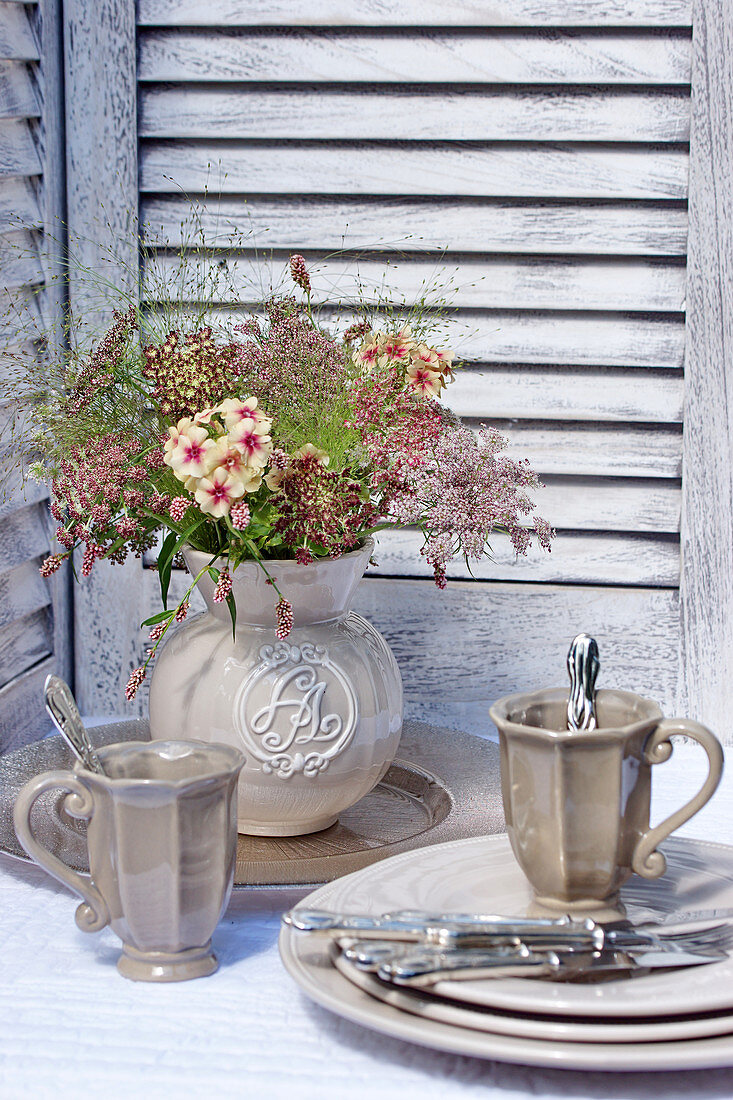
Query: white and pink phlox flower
pixel 254 444
pixel 423 379
pixel 321 456
pixel 235 411
pixel 194 455
pixel 174 433
pixel 230 457
pixel 216 494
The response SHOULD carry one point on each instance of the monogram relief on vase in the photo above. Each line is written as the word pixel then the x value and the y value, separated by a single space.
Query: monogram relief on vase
pixel 297 710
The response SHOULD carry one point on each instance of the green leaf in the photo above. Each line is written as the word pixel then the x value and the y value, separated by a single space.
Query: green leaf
pixel 233 612
pixel 165 560
pixel 168 551
pixel 159 618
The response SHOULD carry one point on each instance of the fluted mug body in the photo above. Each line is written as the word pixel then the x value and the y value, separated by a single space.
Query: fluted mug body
pixel 317 715
pixel 577 801
pixel 162 842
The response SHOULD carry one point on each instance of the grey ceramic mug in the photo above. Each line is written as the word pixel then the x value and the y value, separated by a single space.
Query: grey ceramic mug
pixel 577 802
pixel 162 839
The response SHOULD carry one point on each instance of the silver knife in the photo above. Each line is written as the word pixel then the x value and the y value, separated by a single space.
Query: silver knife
pixel 422 969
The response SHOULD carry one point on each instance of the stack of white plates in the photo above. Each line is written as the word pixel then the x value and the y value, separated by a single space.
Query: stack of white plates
pixel 674 1019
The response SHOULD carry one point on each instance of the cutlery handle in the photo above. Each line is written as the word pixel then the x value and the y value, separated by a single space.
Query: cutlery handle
pixel 64 713
pixel 646 860
pixel 426 968
pixel 444 929
pixel 93 913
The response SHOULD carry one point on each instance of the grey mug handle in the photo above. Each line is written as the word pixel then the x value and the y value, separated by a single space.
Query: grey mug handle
pixel 646 860
pixel 93 913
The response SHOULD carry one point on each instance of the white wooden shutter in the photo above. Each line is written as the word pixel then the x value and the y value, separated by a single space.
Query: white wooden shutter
pixel 546 145
pixel 34 613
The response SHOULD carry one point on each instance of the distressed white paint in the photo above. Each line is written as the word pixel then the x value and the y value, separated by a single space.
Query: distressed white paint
pixel 562 395
pixel 419 225
pixel 468 283
pixel 532 171
pixel 412 13
pixel 707 530
pixel 382 114
pixel 420 56
pixel 34 613
pixel 102 194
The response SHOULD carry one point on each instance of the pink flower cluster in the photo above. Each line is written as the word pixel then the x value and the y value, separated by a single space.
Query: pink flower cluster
pixel 100 493
pixel 464 493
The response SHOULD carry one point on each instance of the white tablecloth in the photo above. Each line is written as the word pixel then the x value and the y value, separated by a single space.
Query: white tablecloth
pixel 71 1026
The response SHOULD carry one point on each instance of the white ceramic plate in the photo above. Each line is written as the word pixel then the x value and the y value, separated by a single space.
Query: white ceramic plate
pixel 497 884
pixel 564 1029
pixel 308 963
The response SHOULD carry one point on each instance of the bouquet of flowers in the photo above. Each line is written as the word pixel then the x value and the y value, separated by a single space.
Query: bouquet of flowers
pixel 274 440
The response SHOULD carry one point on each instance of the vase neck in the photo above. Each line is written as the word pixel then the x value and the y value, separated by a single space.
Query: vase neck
pixel 320 592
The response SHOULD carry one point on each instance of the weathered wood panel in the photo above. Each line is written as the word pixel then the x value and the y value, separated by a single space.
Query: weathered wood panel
pixel 707 530
pixel 18 494
pixel 586 339
pixel 381 114
pixel 411 13
pixel 530 171
pixel 423 57
pixel 596 558
pixel 562 394
pixel 419 225
pixel 611 451
pixel 17 41
pixel 20 261
pixel 23 536
pixel 461 649
pixel 101 134
pixel 21 717
pixel 22 592
pixel 34 634
pixel 17 95
pixel 593 504
pixel 23 643
pixel 459 654
pixel 499 283
pixel 18 153
pixel 18 205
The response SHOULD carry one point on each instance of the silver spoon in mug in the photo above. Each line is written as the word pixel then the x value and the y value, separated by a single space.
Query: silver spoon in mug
pixel 583 665
pixel 62 708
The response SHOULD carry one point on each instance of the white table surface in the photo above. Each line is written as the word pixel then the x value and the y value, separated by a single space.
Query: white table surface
pixel 71 1026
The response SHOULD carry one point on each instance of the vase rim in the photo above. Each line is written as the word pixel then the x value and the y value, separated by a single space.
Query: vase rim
pixel 368 543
